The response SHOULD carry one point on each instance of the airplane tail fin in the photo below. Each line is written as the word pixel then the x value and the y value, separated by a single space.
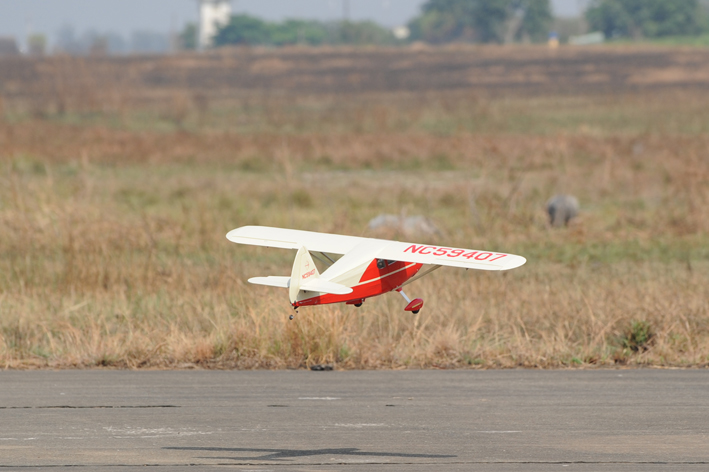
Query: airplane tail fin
pixel 304 271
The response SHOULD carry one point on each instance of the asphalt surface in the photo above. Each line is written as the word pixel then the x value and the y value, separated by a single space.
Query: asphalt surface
pixel 620 420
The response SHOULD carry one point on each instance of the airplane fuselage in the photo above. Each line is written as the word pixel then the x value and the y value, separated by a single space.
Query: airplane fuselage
pixel 368 280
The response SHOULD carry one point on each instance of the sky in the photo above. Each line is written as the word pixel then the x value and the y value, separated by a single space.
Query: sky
pixel 18 17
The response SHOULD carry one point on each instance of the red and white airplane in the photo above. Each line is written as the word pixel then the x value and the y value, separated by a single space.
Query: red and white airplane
pixel 368 267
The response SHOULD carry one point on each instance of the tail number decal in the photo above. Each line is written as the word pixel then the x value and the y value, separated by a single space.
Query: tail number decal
pixel 308 274
pixel 445 251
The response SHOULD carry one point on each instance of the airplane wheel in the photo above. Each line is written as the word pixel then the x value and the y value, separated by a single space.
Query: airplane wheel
pixel 415 312
pixel 290 317
pixel 358 305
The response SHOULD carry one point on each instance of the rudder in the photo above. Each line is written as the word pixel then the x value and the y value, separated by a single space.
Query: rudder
pixel 304 269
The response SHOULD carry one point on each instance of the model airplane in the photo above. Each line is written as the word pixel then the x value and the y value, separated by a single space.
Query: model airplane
pixel 368 267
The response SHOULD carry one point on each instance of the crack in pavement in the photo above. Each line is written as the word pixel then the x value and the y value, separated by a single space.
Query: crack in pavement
pixel 70 407
pixel 271 464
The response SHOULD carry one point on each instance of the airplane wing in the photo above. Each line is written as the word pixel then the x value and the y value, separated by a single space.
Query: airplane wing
pixel 377 248
pixel 449 256
pixel 294 239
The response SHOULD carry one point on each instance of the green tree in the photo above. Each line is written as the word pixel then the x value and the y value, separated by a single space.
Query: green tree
pixel 481 20
pixel 188 36
pixel 645 18
pixel 243 29
pixel 360 33
pixel 298 32
pixel 537 20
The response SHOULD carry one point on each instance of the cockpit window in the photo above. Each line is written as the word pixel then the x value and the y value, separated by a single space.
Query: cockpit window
pixel 383 263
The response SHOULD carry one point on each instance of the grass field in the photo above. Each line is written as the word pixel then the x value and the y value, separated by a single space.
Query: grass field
pixel 113 214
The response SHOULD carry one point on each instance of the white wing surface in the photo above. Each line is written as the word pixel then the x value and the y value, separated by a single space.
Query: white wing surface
pixel 390 250
pixel 449 256
pixel 293 239
pixel 325 286
pixel 271 281
pixel 314 285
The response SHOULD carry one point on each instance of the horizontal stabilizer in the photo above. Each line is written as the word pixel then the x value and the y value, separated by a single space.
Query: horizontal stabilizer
pixel 323 286
pixel 314 285
pixel 272 281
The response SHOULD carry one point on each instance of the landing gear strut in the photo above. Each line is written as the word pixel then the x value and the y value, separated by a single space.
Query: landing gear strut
pixel 414 305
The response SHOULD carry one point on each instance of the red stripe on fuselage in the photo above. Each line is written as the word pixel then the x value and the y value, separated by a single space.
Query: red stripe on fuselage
pixel 373 282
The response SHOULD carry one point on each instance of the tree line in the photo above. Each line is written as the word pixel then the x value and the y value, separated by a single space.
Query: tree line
pixel 244 29
pixel 475 21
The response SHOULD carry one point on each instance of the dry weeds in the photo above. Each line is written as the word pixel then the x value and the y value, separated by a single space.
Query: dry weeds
pixel 112 248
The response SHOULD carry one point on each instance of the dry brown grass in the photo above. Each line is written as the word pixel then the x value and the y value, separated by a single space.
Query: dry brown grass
pixel 112 248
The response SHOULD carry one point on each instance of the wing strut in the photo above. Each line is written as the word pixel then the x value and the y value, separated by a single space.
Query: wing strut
pixel 418 276
pixel 320 259
pixel 328 257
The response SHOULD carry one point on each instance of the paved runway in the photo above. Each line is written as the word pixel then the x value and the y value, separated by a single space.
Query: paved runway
pixel 395 421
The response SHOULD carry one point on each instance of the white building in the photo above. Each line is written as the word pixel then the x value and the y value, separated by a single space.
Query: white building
pixel 212 14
